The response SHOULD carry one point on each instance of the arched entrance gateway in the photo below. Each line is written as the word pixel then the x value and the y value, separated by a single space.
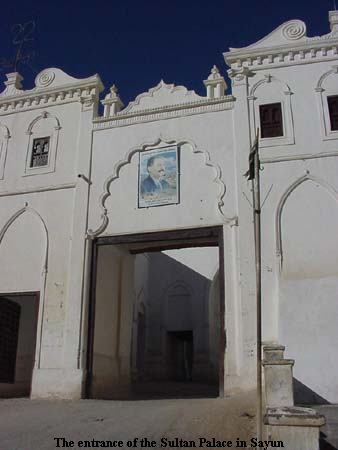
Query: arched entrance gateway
pixel 151 330
pixel 156 310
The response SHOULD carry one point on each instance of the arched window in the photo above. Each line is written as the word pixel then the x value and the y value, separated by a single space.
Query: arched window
pixel 271 112
pixel 327 98
pixel 43 136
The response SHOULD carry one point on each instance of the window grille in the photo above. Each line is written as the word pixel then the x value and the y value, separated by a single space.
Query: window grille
pixel 40 152
pixel 271 120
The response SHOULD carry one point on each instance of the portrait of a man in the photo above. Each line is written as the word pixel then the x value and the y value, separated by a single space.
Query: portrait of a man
pixel 155 180
pixel 158 177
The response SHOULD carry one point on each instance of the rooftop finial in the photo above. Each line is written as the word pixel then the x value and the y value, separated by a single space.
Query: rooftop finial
pixel 215 84
pixel 112 102
pixel 333 19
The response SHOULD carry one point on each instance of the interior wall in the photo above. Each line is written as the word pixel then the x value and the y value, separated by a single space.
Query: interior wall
pixel 175 294
pixel 113 322
pixel 26 347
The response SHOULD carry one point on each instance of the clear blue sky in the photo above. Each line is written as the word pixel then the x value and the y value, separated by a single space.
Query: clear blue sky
pixel 136 43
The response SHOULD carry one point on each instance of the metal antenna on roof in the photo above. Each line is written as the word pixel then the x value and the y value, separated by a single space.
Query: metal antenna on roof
pixel 334 5
pixel 22 37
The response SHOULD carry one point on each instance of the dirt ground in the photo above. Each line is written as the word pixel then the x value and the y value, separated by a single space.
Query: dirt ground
pixel 33 424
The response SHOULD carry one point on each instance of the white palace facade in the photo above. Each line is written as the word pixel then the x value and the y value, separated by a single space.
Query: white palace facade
pixel 111 277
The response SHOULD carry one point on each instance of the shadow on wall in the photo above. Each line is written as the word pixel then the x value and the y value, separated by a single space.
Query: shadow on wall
pixel 323 444
pixel 178 304
pixel 303 395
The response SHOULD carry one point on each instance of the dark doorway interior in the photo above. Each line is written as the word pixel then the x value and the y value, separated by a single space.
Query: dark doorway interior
pixel 18 326
pixel 180 351
pixel 175 308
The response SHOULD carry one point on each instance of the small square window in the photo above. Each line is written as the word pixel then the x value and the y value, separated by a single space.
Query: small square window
pixel 271 120
pixel 40 152
pixel 333 111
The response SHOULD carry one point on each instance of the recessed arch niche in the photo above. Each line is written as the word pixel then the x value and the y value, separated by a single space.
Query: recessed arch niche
pixel 23 260
pixel 308 286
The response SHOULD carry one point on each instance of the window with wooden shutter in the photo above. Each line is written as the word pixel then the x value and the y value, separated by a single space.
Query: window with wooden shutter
pixel 333 111
pixel 271 120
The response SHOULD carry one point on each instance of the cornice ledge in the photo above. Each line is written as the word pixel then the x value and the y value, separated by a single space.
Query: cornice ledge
pixel 227 101
pixel 33 98
pixel 276 50
pixel 51 86
pixel 288 43
pixel 36 189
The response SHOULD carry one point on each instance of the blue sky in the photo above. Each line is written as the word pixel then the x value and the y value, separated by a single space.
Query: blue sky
pixel 135 44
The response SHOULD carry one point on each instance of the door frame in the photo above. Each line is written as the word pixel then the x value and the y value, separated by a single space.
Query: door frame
pixel 153 242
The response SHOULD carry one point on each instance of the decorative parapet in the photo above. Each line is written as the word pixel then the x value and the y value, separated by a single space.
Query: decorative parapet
pixel 162 95
pixel 164 101
pixel 215 84
pixel 333 19
pixel 287 45
pixel 52 86
pixel 205 105
pixel 112 103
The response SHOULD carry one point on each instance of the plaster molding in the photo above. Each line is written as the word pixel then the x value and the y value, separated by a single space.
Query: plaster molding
pixel 13 218
pixel 240 74
pixel 268 78
pixel 303 156
pixel 43 115
pixel 38 189
pixel 205 105
pixel 162 95
pixel 322 103
pixel 52 86
pixel 186 289
pixel 282 201
pixel 4 137
pixel 288 44
pixel 319 86
pixel 284 98
pixel 127 159
pixel 45 78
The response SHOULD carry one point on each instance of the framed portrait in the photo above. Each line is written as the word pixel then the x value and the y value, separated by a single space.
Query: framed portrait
pixel 158 177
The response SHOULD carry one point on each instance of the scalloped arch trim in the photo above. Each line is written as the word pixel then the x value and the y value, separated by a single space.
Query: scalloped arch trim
pixel 118 167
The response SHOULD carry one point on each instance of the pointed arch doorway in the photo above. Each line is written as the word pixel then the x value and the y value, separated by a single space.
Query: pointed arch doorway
pixel 18 333
pixel 127 271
